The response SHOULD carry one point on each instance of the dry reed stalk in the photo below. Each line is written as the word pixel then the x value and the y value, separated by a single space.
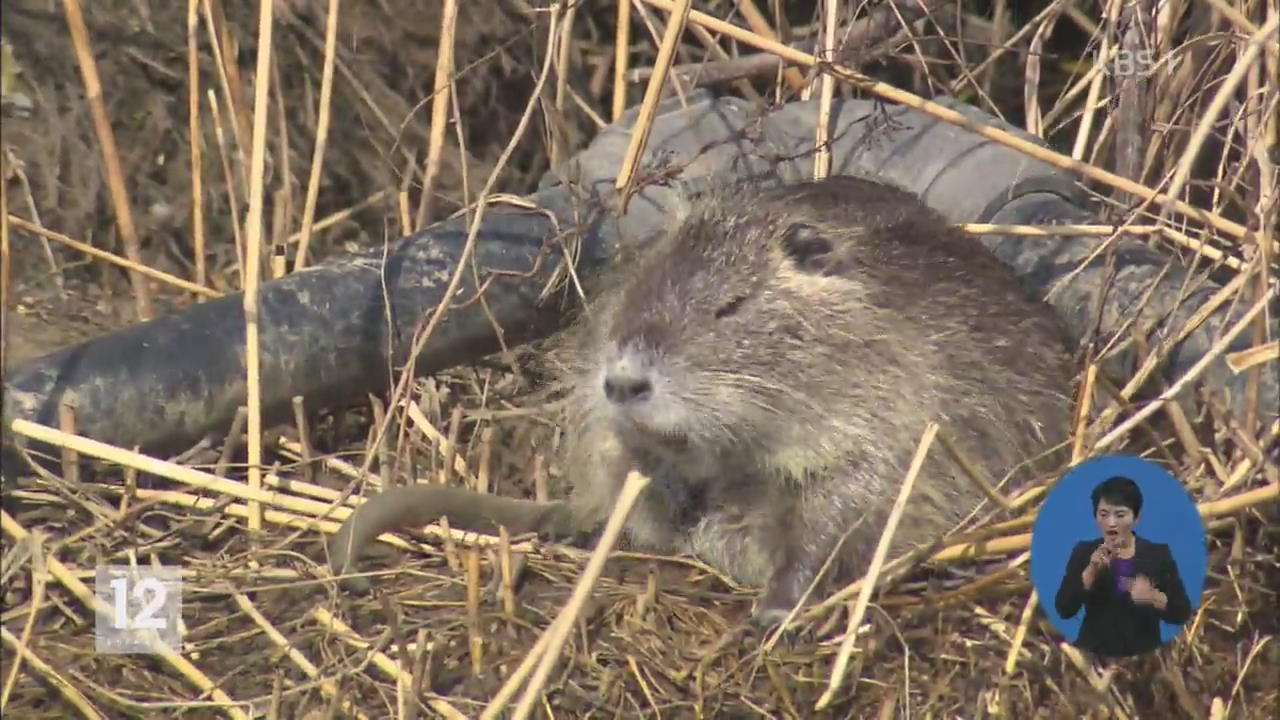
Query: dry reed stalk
pixel 304 436
pixel 1235 16
pixel 1020 632
pixel 563 59
pixel 1081 431
pixel 1151 363
pixel 822 138
pixel 193 129
pixel 1264 125
pixel 109 257
pixel 652 96
pixel 760 25
pixel 621 55
pixel 473 231
pixel 450 446
pixel 559 630
pixel 67 424
pixel 1189 376
pixel 971 469
pixel 293 450
pixel 868 581
pixel 253 255
pixel 380 660
pixel 440 101
pixel 171 471
pixel 110 155
pixel 336 217
pixel 874 30
pixel 230 180
pixel 1225 94
pixel 282 197
pixel 362 91
pixel 295 519
pixel 958 119
pixel 1106 54
pixel 709 42
pixel 229 83
pixel 17 534
pixel 475 636
pixel 6 267
pixel 39 586
pixel 51 675
pixel 1035 123
pixel 287 649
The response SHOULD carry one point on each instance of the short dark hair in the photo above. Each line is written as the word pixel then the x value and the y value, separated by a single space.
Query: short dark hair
pixel 1119 490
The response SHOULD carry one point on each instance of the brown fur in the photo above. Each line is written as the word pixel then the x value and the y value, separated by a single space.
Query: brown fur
pixel 795 342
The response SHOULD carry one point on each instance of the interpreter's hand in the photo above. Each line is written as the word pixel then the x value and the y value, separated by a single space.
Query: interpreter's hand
pixel 1142 591
pixel 1100 558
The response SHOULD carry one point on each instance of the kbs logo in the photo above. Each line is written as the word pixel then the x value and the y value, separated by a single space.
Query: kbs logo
pixel 1128 63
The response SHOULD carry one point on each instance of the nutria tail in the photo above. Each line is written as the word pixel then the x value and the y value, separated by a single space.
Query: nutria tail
pixel 418 505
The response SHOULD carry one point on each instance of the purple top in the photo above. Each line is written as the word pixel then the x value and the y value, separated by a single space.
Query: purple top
pixel 1122 568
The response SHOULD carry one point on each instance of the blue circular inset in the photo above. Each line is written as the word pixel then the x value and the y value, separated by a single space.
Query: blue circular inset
pixel 1168 516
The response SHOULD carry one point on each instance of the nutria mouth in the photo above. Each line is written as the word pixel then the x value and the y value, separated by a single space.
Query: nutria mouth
pixel 673 439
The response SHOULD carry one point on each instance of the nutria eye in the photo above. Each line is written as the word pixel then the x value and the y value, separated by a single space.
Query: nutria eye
pixel 807 246
pixel 730 307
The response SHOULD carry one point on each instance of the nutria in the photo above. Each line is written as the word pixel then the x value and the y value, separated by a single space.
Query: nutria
pixel 771 364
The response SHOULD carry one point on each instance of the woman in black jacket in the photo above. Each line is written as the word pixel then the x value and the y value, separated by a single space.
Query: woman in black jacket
pixel 1125 583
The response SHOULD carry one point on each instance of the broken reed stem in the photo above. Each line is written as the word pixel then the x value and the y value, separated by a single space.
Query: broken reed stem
pixel 1020 634
pixel 112 258
pixel 253 257
pixel 446 447
pixel 67 424
pixel 555 134
pixel 287 649
pixel 440 103
pixel 50 675
pixel 63 575
pixel 955 117
pixel 549 645
pixel 229 83
pixel 873 570
pixel 759 24
pixel 478 216
pixel 1189 376
pixel 381 661
pixel 474 634
pixel 400 390
pixel 1226 93
pixel 322 137
pixel 652 96
pixel 36 604
pixel 971 469
pixel 304 437
pixel 1106 53
pixel 110 155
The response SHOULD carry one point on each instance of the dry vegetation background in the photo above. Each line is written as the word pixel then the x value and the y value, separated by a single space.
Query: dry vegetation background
pixel 266 630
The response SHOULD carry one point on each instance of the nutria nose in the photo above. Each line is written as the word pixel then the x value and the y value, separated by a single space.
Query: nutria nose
pixel 624 388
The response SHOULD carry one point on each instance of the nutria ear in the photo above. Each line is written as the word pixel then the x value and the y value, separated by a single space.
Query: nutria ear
pixel 808 247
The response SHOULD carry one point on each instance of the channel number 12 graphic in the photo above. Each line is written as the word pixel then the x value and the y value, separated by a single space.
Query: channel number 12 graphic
pixel 139 609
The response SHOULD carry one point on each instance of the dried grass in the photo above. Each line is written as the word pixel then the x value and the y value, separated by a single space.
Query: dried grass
pixel 956 634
